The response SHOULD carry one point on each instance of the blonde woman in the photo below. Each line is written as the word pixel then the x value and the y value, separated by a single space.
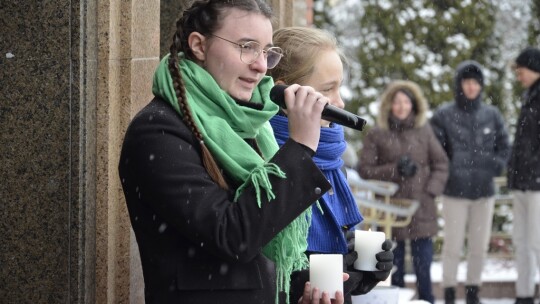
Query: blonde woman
pixel 312 58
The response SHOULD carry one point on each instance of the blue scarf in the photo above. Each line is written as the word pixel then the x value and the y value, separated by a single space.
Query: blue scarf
pixel 338 205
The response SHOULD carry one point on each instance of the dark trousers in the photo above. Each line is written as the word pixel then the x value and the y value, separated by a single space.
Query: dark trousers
pixel 422 256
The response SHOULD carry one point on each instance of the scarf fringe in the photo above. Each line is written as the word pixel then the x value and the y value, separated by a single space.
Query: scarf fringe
pixel 288 252
pixel 259 179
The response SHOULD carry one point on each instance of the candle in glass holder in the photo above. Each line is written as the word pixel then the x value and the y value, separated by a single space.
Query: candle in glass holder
pixel 367 244
pixel 326 273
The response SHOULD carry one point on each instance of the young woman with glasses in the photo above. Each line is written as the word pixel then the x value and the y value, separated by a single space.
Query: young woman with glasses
pixel 219 210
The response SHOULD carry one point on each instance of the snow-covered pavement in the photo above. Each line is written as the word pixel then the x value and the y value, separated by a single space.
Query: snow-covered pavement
pixel 495 270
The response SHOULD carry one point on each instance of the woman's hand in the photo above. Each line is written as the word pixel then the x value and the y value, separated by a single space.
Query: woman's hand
pixel 315 297
pixel 304 108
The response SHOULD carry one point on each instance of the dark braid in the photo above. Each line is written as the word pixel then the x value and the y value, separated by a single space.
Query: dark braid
pixel 203 16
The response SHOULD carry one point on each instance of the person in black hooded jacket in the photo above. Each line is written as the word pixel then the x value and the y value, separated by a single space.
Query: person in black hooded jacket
pixel 524 176
pixel 475 139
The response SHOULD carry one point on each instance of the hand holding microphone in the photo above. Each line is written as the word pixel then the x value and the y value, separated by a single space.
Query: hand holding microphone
pixel 304 107
pixel 329 113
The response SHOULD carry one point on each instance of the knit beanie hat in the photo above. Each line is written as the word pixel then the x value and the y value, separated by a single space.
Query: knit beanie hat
pixel 473 72
pixel 529 58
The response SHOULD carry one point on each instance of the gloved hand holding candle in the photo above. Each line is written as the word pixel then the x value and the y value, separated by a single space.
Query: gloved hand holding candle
pixel 369 261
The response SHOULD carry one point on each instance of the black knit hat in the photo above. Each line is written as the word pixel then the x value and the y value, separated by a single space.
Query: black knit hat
pixel 469 69
pixel 529 58
pixel 474 73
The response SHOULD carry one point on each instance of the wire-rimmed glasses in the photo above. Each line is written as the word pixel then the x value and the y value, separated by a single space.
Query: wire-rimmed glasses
pixel 251 50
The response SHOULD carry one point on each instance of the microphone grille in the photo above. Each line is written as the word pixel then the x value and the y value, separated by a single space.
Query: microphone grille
pixel 277 95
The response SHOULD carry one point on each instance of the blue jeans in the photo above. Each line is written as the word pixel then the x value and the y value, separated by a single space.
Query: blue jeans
pixel 422 256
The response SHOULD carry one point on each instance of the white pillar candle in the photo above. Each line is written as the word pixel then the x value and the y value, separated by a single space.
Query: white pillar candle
pixel 367 244
pixel 326 273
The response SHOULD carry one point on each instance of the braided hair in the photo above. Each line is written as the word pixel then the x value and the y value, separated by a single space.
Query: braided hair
pixel 205 17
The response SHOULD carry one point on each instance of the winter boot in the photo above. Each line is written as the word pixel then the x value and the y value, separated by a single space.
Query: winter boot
pixel 525 300
pixel 449 295
pixel 471 294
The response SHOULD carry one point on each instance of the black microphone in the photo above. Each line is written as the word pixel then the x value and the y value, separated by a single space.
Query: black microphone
pixel 330 112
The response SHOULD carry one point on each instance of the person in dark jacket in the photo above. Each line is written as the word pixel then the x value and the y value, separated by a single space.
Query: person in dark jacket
pixel 218 209
pixel 474 136
pixel 524 176
pixel 313 58
pixel 403 149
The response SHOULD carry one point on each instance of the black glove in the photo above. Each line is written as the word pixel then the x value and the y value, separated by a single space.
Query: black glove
pixel 361 282
pixel 406 166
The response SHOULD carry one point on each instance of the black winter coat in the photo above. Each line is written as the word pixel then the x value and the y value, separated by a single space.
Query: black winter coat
pixel 196 245
pixel 475 139
pixel 524 164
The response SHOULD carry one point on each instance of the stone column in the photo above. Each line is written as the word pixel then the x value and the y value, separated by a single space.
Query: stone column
pixel 292 12
pixel 47 152
pixel 72 73
pixel 128 53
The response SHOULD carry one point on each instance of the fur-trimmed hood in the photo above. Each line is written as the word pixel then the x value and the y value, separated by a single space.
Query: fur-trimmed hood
pixel 420 104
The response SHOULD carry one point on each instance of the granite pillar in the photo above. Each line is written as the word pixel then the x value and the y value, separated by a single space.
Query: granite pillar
pixel 72 73
pixel 43 154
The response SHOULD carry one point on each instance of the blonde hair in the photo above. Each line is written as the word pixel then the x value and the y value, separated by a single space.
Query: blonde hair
pixel 302 47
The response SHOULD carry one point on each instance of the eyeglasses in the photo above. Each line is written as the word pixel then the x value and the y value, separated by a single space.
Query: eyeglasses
pixel 251 50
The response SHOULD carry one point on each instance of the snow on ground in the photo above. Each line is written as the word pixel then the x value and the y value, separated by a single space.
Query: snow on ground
pixel 495 270
pixel 404 296
pixel 484 301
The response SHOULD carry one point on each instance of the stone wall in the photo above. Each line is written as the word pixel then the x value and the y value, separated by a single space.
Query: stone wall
pixel 71 76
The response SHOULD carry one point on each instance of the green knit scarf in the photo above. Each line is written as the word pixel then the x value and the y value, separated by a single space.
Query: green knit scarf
pixel 224 126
